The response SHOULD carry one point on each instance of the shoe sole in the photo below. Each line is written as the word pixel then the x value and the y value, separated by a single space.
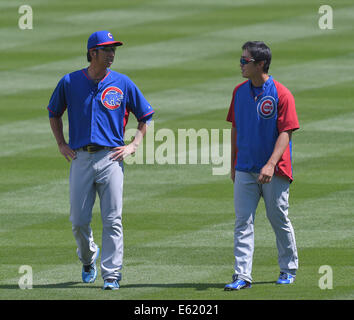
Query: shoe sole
pixel 110 288
pixel 94 261
pixel 285 282
pixel 232 289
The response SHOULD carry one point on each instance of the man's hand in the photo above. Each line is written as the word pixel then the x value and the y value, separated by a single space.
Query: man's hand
pixel 66 151
pixel 120 153
pixel 57 127
pixel 266 173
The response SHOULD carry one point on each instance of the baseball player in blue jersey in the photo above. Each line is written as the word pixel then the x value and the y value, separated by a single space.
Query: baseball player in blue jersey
pixel 263 116
pixel 98 101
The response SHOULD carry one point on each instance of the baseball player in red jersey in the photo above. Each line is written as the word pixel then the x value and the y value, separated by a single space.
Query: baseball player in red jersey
pixel 263 117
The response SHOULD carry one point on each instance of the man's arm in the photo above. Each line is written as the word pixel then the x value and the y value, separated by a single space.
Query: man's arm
pixel 281 144
pixel 57 127
pixel 122 152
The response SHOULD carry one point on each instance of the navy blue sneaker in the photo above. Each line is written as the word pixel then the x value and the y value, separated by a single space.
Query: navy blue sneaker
pixel 111 284
pixel 237 284
pixel 89 273
pixel 285 278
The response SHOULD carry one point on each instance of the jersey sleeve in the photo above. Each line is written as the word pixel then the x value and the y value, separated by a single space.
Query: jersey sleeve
pixel 287 116
pixel 57 103
pixel 137 103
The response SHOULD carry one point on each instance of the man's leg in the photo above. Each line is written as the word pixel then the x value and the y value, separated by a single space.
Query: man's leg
pixel 82 199
pixel 110 190
pixel 276 198
pixel 246 198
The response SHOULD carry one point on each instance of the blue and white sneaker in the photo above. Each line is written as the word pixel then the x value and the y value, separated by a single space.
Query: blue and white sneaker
pixel 237 284
pixel 285 278
pixel 111 284
pixel 89 273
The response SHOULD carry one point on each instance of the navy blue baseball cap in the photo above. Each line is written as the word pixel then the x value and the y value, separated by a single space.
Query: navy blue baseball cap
pixel 102 38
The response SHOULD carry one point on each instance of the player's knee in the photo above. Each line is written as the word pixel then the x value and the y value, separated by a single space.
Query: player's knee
pixel 112 226
pixel 80 227
pixel 243 220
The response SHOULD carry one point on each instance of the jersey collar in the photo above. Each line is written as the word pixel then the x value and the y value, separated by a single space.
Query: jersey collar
pixel 264 88
pixel 85 72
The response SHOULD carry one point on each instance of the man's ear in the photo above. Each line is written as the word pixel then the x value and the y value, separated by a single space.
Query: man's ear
pixel 93 53
pixel 260 64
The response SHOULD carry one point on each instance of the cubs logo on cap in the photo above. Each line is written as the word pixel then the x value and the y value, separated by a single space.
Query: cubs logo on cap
pixel 112 98
pixel 267 107
pixel 102 38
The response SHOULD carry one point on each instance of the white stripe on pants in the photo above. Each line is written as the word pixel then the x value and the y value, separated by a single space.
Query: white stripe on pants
pixel 247 193
pixel 91 173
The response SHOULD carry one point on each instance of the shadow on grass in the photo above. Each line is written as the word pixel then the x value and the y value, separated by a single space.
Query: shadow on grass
pixel 73 284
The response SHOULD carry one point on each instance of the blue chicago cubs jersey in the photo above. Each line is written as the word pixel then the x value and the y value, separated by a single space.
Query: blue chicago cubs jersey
pixel 98 113
pixel 259 116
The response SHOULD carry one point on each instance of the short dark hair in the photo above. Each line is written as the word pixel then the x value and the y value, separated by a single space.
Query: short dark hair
pixel 259 52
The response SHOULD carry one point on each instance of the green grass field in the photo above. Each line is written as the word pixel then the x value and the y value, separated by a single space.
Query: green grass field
pixel 178 219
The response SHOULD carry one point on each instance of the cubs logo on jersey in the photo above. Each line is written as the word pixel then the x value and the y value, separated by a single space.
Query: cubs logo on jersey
pixel 267 107
pixel 112 97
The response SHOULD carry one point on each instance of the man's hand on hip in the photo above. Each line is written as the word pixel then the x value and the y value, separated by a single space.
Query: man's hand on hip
pixel 120 153
pixel 67 152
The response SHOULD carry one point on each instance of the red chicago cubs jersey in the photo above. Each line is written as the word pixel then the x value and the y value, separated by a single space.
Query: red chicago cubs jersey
pixel 98 112
pixel 258 120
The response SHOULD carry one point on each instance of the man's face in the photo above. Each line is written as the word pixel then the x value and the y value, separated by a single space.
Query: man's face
pixel 104 56
pixel 249 68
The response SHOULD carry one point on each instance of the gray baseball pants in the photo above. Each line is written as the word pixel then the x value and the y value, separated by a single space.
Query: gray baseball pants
pixel 91 173
pixel 247 193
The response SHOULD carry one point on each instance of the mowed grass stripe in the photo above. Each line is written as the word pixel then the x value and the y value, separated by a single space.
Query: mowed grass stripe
pixel 25 136
pixel 172 51
pixel 118 17
pixel 69 25
pixel 343 123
